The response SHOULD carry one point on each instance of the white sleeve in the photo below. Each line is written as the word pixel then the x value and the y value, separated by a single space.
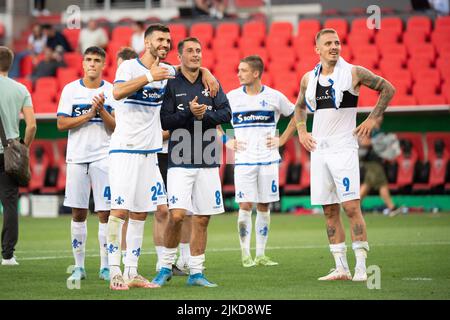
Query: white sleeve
pixel 286 107
pixel 65 103
pixel 123 72
pixel 110 102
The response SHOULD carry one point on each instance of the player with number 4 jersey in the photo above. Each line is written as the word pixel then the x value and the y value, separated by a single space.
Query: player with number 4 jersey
pixel 85 110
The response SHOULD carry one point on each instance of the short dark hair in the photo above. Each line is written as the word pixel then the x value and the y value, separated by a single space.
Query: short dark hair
pixel 156 27
pixel 127 53
pixel 47 26
pixel 255 62
pixel 6 58
pixel 324 31
pixel 140 24
pixel 182 42
pixel 95 50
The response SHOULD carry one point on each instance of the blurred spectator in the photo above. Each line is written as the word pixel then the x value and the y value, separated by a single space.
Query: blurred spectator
pixel 372 151
pixel 442 7
pixel 39 8
pixel 92 36
pixel 212 8
pixel 55 39
pixel 137 39
pixel 48 66
pixel 36 44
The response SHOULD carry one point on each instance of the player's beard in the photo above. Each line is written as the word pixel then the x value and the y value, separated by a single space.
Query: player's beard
pixel 154 53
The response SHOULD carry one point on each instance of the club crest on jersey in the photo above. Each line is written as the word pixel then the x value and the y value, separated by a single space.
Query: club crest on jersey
pixel 263 103
pixel 206 92
pixel 119 200
pixel 173 200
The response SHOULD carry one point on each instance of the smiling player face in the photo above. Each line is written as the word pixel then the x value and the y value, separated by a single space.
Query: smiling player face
pixel 328 47
pixel 158 43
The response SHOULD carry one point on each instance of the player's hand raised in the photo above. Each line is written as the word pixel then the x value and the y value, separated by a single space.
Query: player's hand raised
pixel 98 102
pixel 198 110
pixel 307 141
pixel 159 73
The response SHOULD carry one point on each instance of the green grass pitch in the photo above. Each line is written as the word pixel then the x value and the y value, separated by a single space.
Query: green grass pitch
pixel 412 251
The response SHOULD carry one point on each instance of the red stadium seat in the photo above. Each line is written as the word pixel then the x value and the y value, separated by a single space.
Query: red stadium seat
pixel 122 35
pixel 423 50
pixel 423 88
pixel 440 39
pixel 402 74
pixel 431 99
pixel 403 100
pixel 65 76
pixel 359 39
pixel 438 162
pixel 359 26
pixel 394 51
pixel 408 159
pixel 26 66
pixel 308 26
pixel 204 32
pixel 46 86
pixel 230 57
pixel 281 29
pixel 178 30
pixel 387 65
pixel 230 30
pixel 367 97
pixel 72 36
pixel 261 52
pixel 208 59
pixel 431 76
pixel 442 23
pixel 74 60
pixel 392 25
pixel 402 86
pixel 340 25
pixel 27 83
pixel 41 158
pixel 385 37
pixel 412 39
pixel 418 63
pixel 419 24
pixel 254 29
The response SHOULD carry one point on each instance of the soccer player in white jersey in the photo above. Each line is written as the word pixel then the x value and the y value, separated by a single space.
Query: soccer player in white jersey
pixel 84 111
pixel 256 110
pixel 333 145
pixel 136 183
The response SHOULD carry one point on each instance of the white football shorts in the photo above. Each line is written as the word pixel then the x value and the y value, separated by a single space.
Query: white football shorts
pixel 195 189
pixel 334 176
pixel 80 178
pixel 256 183
pixel 136 183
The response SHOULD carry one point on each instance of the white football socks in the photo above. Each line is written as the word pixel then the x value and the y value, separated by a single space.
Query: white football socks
pixel 102 244
pixel 185 254
pixel 159 253
pixel 113 240
pixel 168 258
pixel 262 225
pixel 135 236
pixel 196 264
pixel 360 248
pixel 339 252
pixel 78 232
pixel 245 230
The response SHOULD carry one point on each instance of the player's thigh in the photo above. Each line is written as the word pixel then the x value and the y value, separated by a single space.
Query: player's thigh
pixel 78 186
pixel 344 167
pixel 323 189
pixel 246 183
pixel 207 197
pixel 268 184
pixel 101 190
pixel 180 186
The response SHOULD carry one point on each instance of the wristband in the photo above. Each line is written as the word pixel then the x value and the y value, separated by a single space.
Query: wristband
pixel 149 76
pixel 300 123
pixel 225 138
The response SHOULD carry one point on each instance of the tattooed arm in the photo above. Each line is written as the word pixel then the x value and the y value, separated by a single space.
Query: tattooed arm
pixel 364 77
pixel 300 117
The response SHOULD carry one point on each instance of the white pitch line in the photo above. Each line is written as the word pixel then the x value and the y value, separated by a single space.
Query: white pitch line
pixel 417 279
pixel 238 249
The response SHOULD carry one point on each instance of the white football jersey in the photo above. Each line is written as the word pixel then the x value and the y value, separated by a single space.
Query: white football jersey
pixel 90 141
pixel 254 119
pixel 138 125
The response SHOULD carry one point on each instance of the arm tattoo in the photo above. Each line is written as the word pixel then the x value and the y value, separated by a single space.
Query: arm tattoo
pixel 372 81
pixel 300 105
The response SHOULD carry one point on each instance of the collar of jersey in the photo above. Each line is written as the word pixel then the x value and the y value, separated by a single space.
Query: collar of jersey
pixel 245 90
pixel 82 83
